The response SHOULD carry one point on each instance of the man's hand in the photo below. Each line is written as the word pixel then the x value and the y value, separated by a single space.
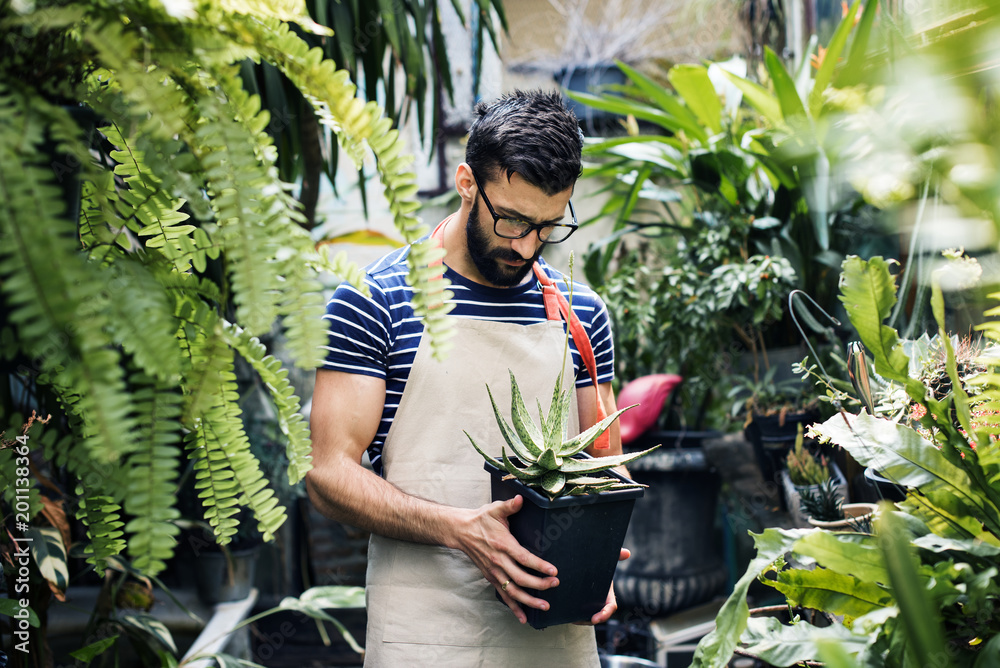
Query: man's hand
pixel 485 536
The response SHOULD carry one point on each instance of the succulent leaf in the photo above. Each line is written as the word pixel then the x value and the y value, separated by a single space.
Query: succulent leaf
pixel 509 435
pixel 548 460
pixel 594 464
pixel 528 474
pixel 480 451
pixel 555 422
pixel 553 482
pixel 526 429
pixel 583 441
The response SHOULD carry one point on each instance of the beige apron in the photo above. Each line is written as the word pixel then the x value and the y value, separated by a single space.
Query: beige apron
pixel 429 606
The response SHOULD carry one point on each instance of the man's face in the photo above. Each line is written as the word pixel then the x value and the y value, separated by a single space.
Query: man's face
pixel 493 256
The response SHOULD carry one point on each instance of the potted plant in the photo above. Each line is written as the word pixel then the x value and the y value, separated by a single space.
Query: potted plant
pixel 943 538
pixel 814 487
pixel 576 508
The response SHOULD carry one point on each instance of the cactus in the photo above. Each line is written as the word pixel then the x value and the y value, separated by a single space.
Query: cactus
pixel 545 460
pixel 803 467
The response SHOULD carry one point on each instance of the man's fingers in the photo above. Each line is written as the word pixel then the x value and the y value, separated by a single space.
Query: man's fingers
pixel 624 554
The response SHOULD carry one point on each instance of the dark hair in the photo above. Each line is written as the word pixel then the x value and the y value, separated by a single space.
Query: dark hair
pixel 529 133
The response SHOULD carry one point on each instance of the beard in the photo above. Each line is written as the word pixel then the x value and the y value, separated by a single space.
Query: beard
pixel 487 257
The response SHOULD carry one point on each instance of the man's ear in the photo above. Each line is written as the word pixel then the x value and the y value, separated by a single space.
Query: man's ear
pixel 465 183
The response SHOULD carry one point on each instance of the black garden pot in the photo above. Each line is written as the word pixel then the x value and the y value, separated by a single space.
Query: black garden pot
pixel 580 535
pixel 874 488
pixel 772 438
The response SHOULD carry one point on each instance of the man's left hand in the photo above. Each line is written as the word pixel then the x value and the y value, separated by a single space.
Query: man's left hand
pixel 611 605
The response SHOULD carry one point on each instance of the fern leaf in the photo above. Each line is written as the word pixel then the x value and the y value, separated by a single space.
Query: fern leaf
pixel 358 125
pixel 227 473
pixel 50 288
pixel 151 476
pixel 290 419
pixel 102 517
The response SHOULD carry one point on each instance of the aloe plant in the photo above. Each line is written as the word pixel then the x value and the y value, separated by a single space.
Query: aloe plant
pixel 545 459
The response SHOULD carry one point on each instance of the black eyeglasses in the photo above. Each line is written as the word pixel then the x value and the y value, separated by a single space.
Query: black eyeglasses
pixel 512 228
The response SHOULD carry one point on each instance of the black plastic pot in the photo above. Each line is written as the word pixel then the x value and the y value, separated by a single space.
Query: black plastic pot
pixel 677 556
pixel 580 535
pixel 772 439
pixel 217 584
pixel 874 488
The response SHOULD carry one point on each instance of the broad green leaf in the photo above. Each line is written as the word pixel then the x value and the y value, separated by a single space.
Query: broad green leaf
pixel 921 620
pixel 152 627
pixel 989 655
pixel 779 644
pixel 333 596
pixel 716 648
pixel 854 555
pixel 904 456
pixel 619 105
pixel 759 97
pixel 833 50
pixel 11 606
pixel 694 85
pixel 87 654
pixel 833 655
pixel 852 71
pixel 668 102
pixel 50 554
pixel 661 155
pixel 315 600
pixel 830 591
pixel 868 292
pixel 976 548
pixel 784 87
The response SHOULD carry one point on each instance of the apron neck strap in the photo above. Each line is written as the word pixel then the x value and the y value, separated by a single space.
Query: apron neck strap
pixel 556 306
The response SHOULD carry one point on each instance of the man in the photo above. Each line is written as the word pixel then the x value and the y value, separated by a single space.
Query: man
pixel 440 549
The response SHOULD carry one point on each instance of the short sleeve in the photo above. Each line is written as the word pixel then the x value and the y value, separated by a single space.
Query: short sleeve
pixel 358 331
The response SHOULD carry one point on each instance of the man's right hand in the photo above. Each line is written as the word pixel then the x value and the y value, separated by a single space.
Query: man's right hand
pixel 484 535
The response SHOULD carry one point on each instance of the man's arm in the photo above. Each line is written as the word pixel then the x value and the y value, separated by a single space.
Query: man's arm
pixel 346 410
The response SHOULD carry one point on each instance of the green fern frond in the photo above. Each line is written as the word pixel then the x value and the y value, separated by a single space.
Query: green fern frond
pixel 151 213
pixel 344 268
pixel 302 305
pixel 141 316
pixel 290 419
pixel 50 288
pixel 102 518
pixel 151 476
pixel 356 125
pixel 226 472
pixel 236 180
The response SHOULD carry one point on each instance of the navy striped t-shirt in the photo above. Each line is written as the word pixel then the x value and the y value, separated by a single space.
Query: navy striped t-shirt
pixel 379 336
